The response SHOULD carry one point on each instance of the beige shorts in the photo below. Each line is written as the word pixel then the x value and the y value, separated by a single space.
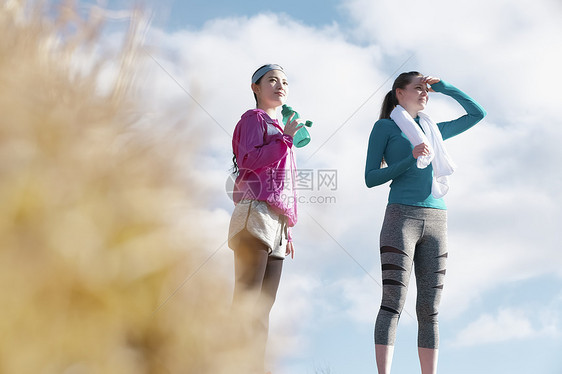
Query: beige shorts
pixel 260 221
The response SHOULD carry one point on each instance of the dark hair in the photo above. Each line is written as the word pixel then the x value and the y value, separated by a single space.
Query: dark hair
pixel 235 169
pixel 390 100
pixel 258 82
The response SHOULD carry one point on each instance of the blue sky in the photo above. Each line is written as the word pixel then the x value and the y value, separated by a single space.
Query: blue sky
pixel 502 303
pixel 195 13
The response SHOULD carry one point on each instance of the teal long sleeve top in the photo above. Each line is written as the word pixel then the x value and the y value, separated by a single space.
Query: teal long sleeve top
pixel 411 185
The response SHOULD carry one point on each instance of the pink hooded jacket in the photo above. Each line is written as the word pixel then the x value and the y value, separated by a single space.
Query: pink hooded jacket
pixel 266 163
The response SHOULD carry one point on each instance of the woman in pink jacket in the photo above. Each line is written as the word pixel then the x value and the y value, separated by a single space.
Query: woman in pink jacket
pixel 265 199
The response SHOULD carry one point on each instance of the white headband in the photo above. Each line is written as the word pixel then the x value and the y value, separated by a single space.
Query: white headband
pixel 263 70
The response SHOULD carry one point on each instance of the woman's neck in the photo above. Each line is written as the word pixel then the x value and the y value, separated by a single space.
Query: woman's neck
pixel 271 112
pixel 413 113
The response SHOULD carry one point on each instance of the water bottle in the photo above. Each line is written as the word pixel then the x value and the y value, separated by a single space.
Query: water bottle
pixel 302 137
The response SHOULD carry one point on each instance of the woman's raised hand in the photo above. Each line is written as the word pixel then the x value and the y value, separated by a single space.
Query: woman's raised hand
pixel 430 80
pixel 292 127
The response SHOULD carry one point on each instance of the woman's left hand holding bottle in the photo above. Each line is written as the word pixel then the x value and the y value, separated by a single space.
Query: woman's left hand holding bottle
pixel 292 127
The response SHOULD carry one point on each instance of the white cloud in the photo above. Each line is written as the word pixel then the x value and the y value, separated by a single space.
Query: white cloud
pixel 362 296
pixel 330 79
pixel 507 52
pixel 505 195
pixel 298 303
pixel 506 325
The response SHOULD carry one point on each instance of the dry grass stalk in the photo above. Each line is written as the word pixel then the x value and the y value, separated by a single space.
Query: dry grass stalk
pixel 88 255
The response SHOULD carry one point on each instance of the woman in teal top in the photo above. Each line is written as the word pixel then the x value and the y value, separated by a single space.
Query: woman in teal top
pixel 414 231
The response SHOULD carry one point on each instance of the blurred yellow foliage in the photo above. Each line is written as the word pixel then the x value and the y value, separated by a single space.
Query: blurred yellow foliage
pixel 89 258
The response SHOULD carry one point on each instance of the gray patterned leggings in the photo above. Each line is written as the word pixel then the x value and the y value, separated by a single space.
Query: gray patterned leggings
pixel 412 236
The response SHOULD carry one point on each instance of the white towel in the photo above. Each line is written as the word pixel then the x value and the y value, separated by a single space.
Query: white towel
pixel 442 164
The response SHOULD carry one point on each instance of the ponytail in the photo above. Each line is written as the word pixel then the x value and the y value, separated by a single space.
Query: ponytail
pixel 390 100
pixel 388 105
pixel 235 168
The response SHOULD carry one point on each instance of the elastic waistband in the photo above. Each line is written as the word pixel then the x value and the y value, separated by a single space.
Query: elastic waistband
pixel 417 212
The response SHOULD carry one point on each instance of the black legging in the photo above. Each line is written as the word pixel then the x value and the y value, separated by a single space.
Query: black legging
pixel 257 277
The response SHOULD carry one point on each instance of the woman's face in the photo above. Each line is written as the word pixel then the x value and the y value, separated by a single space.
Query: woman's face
pixel 414 96
pixel 272 90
